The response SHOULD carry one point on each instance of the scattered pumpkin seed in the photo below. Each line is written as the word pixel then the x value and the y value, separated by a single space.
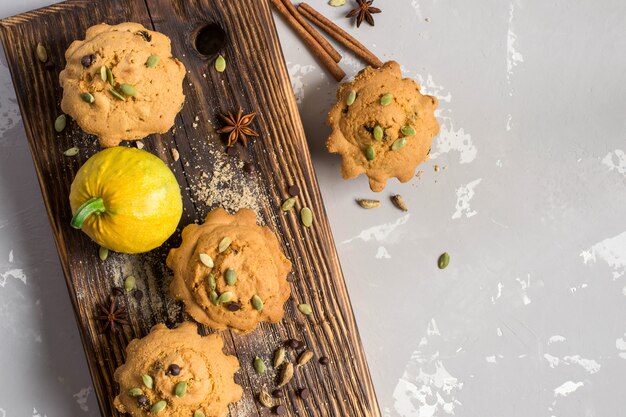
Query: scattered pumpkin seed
pixel 378 133
pixel 351 98
pixel 71 152
pixel 220 64
pixel 225 297
pixel 129 283
pixel 285 374
pixel 152 61
pixel 148 381
pixel 398 144
pixel 224 244
pixel 408 130
pixel 212 283
pixel 398 201
pixel 103 73
pixel 135 392
pixel 117 95
pixel 306 216
pixel 370 153
pixel 87 98
pixel 368 204
pixel 42 53
pixel 259 366
pixel 257 303
pixel 199 413
pixel 305 309
pixel 103 253
pixel 60 123
pixel 231 276
pixel 206 260
pixel 288 204
pixel 110 77
pixel 128 90
pixel 279 357
pixel 181 389
pixel 158 406
pixel 337 3
pixel 265 399
pixel 386 99
pixel 443 260
pixel 304 357
pixel 214 297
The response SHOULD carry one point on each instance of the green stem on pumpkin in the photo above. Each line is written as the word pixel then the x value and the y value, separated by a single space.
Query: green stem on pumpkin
pixel 94 205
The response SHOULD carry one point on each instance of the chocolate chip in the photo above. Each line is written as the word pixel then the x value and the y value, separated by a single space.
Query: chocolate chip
pixel 281 410
pixel 143 401
pixel 295 344
pixel 304 393
pixel 324 360
pixel 173 369
pixel 277 393
pixel 233 306
pixel 231 151
pixel 87 60
pixel 248 167
pixel 138 295
pixel 145 35
pixel 117 291
pixel 294 190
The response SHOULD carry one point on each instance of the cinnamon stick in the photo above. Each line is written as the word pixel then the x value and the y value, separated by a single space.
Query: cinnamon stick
pixel 310 41
pixel 339 35
pixel 336 56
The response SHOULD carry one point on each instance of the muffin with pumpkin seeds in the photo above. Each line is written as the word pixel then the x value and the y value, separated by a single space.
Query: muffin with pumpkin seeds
pixel 382 126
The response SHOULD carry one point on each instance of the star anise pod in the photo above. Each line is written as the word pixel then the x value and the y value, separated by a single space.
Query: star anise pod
pixel 237 127
pixel 364 12
pixel 112 315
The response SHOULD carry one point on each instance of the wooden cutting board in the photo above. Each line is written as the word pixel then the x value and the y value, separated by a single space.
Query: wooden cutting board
pixel 257 80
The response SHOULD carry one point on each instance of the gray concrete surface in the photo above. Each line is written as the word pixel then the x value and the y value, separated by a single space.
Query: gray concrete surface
pixel 529 319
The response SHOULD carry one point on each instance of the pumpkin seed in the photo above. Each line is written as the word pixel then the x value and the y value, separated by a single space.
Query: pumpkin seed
pixel 398 201
pixel 225 297
pixel 59 123
pixel 181 389
pixel 408 130
pixel 135 392
pixel 337 3
pixel 117 95
pixel 87 98
pixel 370 153
pixel 158 407
pixel 285 374
pixel 224 244
pixel 304 357
pixel 288 204
pixel 398 144
pixel 214 297
pixel 259 366
pixel 103 253
pixel 199 413
pixel 148 381
pixel 129 283
pixel 386 99
pixel 42 53
pixel 351 98
pixel 378 133
pixel 443 260
pixel 306 216
pixel 368 204
pixel 257 303
pixel 230 276
pixel 110 78
pixel 220 64
pixel 206 260
pixel 212 283
pixel 152 61
pixel 71 152
pixel 305 309
pixel 128 90
pixel 265 399
pixel 103 73
pixel 279 357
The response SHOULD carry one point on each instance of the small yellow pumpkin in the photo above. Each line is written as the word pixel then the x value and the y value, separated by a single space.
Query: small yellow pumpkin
pixel 126 200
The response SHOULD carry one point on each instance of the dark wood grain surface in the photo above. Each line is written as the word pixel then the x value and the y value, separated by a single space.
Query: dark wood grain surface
pixel 257 80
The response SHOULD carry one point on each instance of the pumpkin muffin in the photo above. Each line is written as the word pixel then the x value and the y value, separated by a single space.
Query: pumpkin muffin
pixel 176 373
pixel 229 272
pixel 382 126
pixel 122 83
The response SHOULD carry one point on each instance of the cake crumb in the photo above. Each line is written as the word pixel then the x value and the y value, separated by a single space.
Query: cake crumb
pixel 436 167
pixel 175 154
pixel 139 144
